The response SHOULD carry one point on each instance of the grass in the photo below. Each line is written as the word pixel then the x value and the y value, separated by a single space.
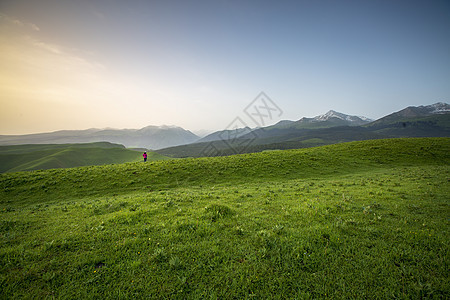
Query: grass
pixel 362 220
pixel 48 156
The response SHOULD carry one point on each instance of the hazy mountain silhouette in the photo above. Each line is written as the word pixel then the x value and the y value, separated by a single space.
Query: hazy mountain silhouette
pixel 150 137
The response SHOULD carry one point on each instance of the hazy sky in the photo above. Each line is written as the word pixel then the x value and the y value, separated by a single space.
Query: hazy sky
pixel 78 64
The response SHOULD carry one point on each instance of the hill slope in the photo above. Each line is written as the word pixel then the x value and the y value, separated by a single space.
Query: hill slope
pixel 349 221
pixel 303 163
pixel 38 157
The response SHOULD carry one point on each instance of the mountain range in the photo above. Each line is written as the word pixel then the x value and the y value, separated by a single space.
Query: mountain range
pixel 331 127
pixel 330 119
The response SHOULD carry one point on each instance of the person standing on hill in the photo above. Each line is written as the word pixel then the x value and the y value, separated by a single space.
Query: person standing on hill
pixel 145 156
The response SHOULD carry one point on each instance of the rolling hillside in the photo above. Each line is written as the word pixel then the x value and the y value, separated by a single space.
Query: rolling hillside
pixel 37 157
pixel 360 220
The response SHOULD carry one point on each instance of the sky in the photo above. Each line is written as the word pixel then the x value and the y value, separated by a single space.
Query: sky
pixel 199 64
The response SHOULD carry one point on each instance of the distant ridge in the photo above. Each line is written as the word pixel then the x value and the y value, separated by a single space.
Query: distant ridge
pixel 150 137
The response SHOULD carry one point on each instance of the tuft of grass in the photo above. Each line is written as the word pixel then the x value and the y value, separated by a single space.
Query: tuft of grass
pixel 215 211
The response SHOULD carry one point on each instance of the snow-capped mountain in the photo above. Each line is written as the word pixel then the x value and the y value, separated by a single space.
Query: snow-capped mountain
pixel 332 118
pixel 353 120
pixel 437 108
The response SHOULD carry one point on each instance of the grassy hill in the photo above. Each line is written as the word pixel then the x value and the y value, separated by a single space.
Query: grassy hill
pixel 50 156
pixel 360 220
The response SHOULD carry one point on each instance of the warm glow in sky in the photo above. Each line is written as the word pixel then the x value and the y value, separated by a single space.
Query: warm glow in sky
pixel 197 64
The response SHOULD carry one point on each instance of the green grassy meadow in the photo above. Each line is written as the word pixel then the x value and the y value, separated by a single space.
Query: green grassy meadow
pixel 359 220
pixel 50 156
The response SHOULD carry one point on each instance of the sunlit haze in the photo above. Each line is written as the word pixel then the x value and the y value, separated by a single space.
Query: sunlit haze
pixel 198 64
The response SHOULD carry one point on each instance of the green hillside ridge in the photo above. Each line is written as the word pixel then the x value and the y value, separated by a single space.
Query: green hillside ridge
pixel 17 149
pixel 49 156
pixel 359 220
